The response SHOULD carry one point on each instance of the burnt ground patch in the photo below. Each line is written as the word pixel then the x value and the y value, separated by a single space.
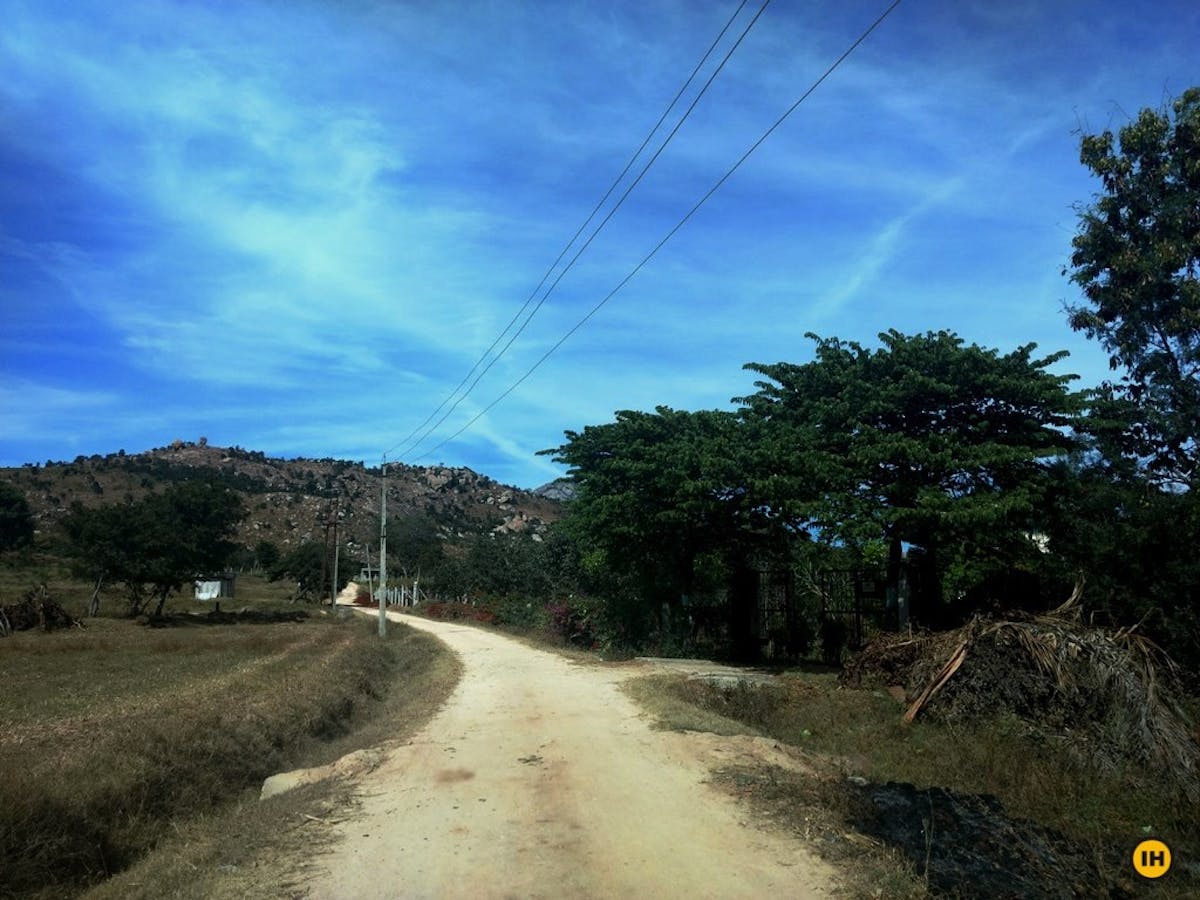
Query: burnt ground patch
pixel 967 846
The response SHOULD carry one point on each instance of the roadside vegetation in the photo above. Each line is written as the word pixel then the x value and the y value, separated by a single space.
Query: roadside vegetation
pixel 939 807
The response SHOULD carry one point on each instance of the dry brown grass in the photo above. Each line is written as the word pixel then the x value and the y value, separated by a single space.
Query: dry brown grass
pixel 118 737
pixel 251 848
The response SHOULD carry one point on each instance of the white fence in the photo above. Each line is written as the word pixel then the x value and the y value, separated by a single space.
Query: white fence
pixel 401 596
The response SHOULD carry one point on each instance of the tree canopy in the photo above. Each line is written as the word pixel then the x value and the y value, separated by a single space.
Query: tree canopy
pixel 16 520
pixel 1136 257
pixel 156 545
pixel 657 493
pixel 925 441
pixel 305 564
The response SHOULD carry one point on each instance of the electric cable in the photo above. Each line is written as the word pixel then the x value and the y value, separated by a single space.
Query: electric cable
pixel 604 199
pixel 597 230
pixel 670 234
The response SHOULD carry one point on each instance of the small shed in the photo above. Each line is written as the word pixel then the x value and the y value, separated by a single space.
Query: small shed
pixel 216 587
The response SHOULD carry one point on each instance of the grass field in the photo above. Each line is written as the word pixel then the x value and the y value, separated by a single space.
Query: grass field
pixel 119 737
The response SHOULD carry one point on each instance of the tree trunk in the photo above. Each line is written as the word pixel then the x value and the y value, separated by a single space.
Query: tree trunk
pixel 137 599
pixel 938 613
pixel 93 607
pixel 743 609
pixel 892 587
pixel 925 588
pixel 162 601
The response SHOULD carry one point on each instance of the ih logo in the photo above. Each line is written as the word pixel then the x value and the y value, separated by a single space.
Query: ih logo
pixel 1152 859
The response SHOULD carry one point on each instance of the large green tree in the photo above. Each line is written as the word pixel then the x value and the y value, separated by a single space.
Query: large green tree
pixel 663 500
pixel 266 555
pixel 156 545
pixel 102 544
pixel 415 544
pixel 1137 259
pixel 189 531
pixel 514 566
pixel 1136 546
pixel 924 441
pixel 1126 512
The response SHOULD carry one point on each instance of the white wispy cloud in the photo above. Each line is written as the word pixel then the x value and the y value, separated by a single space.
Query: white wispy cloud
pixel 297 225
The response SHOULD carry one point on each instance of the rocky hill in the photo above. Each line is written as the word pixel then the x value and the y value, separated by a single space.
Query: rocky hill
pixel 561 489
pixel 289 501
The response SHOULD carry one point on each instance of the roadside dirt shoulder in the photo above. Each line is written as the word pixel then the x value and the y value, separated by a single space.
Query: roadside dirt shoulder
pixel 540 778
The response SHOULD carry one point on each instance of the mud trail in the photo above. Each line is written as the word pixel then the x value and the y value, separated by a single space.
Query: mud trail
pixel 540 778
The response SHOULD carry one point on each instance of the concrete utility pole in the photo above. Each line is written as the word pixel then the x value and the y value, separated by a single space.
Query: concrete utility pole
pixel 325 521
pixel 336 549
pixel 330 520
pixel 383 553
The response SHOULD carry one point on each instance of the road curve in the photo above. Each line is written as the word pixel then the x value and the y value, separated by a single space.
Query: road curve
pixel 539 778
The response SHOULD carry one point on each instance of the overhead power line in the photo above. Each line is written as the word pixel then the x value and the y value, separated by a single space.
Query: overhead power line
pixel 599 227
pixel 408 442
pixel 670 234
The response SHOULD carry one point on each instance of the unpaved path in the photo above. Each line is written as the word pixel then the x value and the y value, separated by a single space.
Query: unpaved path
pixel 540 778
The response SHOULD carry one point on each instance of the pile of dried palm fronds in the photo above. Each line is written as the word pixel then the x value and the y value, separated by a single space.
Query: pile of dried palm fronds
pixel 1110 694
pixel 35 609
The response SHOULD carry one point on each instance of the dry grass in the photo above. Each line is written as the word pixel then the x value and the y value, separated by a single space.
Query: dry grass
pixel 18 575
pixel 119 737
pixel 258 849
pixel 852 732
pixel 681 706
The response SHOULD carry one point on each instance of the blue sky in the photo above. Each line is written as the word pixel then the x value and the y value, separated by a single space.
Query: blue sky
pixel 294 226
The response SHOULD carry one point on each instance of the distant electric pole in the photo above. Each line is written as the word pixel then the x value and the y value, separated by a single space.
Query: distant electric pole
pixel 325 521
pixel 337 514
pixel 383 551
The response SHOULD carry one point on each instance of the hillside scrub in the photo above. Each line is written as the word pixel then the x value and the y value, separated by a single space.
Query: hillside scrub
pixel 286 500
pixel 113 732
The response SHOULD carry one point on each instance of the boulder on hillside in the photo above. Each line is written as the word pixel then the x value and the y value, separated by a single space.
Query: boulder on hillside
pixel 561 489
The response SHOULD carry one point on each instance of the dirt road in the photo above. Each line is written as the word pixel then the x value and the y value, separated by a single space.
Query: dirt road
pixel 539 778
